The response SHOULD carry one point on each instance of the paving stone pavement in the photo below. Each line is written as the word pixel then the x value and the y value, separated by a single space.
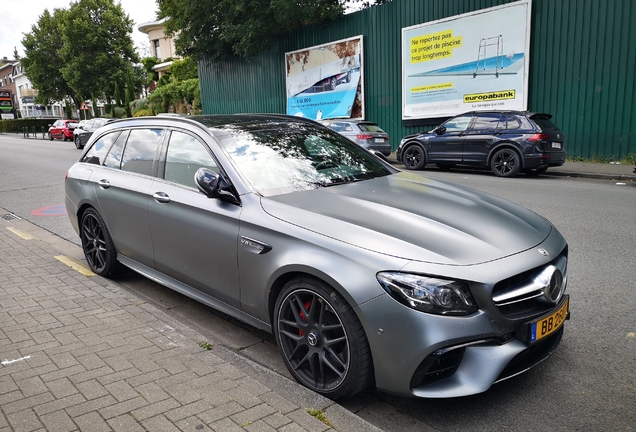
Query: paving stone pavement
pixel 79 353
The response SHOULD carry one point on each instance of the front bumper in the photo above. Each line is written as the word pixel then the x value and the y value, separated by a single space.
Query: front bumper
pixel 434 356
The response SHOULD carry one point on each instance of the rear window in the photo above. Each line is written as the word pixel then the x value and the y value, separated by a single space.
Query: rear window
pixel 544 123
pixel 370 127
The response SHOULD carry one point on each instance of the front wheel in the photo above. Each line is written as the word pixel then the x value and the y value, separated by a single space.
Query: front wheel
pixel 50 137
pixel 64 138
pixel 78 145
pixel 321 339
pixel 98 246
pixel 505 163
pixel 414 157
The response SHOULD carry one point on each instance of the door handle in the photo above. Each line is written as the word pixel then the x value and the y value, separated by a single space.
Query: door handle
pixel 104 184
pixel 161 197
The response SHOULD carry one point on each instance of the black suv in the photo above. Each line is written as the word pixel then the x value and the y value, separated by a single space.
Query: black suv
pixel 506 142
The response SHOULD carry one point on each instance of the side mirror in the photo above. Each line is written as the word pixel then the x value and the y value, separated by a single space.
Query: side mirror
pixel 440 130
pixel 213 185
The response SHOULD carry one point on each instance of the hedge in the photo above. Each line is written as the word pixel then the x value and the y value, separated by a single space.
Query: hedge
pixel 18 125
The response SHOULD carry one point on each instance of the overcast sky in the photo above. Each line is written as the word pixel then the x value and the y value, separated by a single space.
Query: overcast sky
pixel 17 17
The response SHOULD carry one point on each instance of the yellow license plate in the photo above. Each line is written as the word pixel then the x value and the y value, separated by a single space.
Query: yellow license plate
pixel 546 326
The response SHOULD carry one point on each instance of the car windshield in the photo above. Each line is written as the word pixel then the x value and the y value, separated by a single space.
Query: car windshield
pixel 283 157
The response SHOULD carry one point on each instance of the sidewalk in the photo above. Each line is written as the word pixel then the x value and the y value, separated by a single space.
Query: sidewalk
pixel 606 171
pixel 78 353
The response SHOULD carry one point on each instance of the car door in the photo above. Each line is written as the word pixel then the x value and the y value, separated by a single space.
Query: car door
pixel 122 185
pixel 484 132
pixel 447 146
pixel 195 237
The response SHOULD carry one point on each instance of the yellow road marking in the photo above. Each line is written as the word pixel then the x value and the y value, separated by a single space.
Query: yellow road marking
pixel 24 235
pixel 75 265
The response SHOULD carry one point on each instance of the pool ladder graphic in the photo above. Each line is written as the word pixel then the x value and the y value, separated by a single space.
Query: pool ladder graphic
pixel 482 57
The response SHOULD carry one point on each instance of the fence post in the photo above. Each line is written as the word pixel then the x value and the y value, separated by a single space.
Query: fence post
pixel 25 132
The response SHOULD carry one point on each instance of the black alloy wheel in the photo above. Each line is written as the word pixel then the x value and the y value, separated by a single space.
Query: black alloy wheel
pixel 50 137
pixel 505 163
pixel 64 137
pixel 77 143
pixel 321 339
pixel 413 157
pixel 97 245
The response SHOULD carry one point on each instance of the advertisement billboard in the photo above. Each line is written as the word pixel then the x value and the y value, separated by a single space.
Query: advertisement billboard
pixel 325 81
pixel 477 61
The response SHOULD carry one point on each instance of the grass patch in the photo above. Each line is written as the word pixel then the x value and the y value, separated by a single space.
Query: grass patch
pixel 629 159
pixel 205 345
pixel 320 415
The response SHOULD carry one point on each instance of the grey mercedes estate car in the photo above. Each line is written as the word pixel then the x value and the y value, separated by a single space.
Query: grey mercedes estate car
pixel 363 273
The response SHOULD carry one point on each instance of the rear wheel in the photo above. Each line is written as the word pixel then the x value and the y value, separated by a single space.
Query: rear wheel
pixel 321 339
pixel 97 244
pixel 50 137
pixel 505 163
pixel 78 145
pixel 414 157
pixel 64 137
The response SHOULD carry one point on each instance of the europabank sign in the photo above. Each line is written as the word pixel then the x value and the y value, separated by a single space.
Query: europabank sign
pixel 477 61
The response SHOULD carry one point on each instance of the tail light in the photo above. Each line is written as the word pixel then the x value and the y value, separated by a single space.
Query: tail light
pixel 365 136
pixel 539 137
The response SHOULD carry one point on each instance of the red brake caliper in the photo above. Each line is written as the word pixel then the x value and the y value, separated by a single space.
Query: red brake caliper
pixel 303 317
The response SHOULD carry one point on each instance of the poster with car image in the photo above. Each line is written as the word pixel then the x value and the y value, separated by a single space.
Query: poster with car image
pixel 477 61
pixel 325 81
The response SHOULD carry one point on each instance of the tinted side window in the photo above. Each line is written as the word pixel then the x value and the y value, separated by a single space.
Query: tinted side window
pixel 140 151
pixel 98 151
pixel 513 122
pixel 458 124
pixel 113 160
pixel 487 122
pixel 185 156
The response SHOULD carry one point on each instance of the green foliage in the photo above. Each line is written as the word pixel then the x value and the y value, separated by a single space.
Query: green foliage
pixel 117 96
pixel 97 45
pixel 244 27
pixel 176 97
pixel 80 51
pixel 119 112
pixel 149 63
pixel 42 61
pixel 185 69
pixel 143 112
pixel 17 125
pixel 130 92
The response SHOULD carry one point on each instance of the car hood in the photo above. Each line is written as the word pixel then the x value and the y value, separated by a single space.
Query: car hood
pixel 409 216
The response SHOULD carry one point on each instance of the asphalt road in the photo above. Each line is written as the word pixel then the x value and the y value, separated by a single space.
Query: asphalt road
pixel 588 385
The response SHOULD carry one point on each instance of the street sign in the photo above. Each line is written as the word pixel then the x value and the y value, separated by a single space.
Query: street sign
pixel 84 107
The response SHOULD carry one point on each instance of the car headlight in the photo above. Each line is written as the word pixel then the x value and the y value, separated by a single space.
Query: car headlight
pixel 429 294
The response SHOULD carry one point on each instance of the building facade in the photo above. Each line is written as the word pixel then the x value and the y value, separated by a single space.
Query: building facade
pixel 161 45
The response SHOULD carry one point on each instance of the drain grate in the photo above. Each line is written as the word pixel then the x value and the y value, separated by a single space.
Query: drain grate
pixel 10 216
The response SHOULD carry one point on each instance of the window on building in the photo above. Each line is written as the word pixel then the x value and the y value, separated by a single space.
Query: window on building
pixel 155 48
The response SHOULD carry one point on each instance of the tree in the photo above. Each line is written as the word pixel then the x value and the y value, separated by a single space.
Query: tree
pixel 243 27
pixel 97 46
pixel 42 61
pixel 130 91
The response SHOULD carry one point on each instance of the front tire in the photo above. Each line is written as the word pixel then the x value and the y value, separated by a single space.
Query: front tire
pixel 77 143
pixel 64 138
pixel 505 163
pixel 414 157
pixel 98 246
pixel 50 137
pixel 321 339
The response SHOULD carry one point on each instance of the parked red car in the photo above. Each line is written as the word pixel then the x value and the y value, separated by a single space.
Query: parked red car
pixel 62 129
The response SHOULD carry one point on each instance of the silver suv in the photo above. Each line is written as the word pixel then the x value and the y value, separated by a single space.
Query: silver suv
pixel 364 133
